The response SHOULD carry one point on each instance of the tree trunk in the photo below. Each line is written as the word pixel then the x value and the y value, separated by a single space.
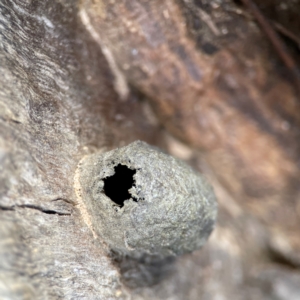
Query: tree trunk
pixel 78 77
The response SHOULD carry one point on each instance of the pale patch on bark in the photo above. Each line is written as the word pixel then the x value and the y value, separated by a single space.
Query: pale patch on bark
pixel 120 82
pixel 80 204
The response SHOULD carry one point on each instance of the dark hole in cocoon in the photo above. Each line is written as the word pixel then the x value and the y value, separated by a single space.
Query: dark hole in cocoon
pixel 116 186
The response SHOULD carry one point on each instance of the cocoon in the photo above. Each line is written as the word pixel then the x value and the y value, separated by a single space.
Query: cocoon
pixel 142 201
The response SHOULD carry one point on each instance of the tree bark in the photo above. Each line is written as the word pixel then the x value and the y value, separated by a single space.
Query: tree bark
pixel 77 78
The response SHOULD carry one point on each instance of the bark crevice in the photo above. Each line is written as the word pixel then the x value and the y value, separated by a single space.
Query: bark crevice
pixel 35 207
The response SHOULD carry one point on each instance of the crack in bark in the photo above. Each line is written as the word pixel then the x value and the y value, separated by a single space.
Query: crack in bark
pixel 30 206
pixel 65 200
pixel 6 207
pixel 10 120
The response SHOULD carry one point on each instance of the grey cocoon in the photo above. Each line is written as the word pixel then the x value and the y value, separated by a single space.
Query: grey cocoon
pixel 172 209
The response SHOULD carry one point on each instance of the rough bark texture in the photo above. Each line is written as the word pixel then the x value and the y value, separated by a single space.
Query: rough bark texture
pixel 78 76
